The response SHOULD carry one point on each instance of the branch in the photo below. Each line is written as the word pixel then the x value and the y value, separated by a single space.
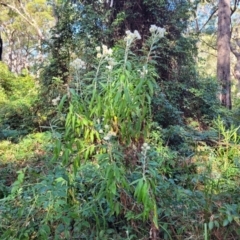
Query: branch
pixel 210 17
pixel 209 45
pixel 27 19
pixel 208 53
pixel 234 50
pixel 236 2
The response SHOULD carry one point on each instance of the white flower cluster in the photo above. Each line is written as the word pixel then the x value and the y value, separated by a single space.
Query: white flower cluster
pixel 78 64
pixel 105 54
pixel 109 135
pixel 157 30
pixel 56 100
pixel 106 131
pixel 106 127
pixel 105 51
pixel 145 147
pixel 111 63
pixel 131 36
pixel 144 72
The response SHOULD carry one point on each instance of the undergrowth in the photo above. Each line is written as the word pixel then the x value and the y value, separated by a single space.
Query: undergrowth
pixel 114 173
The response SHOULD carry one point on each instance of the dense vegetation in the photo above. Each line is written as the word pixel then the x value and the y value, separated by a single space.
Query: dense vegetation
pixel 121 135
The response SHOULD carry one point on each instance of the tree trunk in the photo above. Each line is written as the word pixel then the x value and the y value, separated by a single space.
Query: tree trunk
pixel 235 48
pixel 223 56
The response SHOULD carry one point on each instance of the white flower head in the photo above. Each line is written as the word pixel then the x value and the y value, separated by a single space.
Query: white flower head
pixel 99 55
pixel 78 64
pixel 104 50
pixel 157 31
pixel 107 138
pixel 137 35
pixel 144 72
pixel 153 28
pixel 145 147
pixel 109 67
pixel 161 32
pixel 131 36
pixel 56 100
pixel 128 32
pixel 111 62
pixel 109 135
pixel 110 52
pixel 83 65
pixel 98 49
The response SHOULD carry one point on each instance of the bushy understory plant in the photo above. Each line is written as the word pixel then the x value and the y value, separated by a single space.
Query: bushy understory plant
pixel 218 170
pixel 17 97
pixel 37 211
pixel 109 122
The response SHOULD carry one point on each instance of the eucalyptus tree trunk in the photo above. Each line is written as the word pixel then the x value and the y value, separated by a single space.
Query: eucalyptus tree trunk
pixel 235 48
pixel 223 56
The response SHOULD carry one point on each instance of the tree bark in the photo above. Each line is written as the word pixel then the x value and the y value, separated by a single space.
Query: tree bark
pixel 235 48
pixel 223 56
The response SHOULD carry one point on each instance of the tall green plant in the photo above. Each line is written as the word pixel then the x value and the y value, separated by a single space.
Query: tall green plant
pixel 108 123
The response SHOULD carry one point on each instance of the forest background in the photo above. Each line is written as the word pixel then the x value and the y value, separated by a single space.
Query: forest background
pixel 119 119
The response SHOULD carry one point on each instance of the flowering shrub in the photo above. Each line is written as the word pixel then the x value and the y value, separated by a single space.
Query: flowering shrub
pixel 105 51
pixel 131 37
pixel 158 31
pixel 108 122
pixel 78 64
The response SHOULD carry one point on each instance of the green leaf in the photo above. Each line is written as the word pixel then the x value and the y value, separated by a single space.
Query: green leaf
pixel 122 77
pixel 20 176
pixel 136 181
pixel 210 225
pixel 216 223
pixel 117 208
pixel 137 192
pixel 60 105
pixel 73 121
pixel 155 216
pixel 145 193
pixel 62 180
pixel 113 188
pixel 225 222
pixel 230 218
pixel 102 233
pixel 45 229
pixel 150 86
pixel 57 148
